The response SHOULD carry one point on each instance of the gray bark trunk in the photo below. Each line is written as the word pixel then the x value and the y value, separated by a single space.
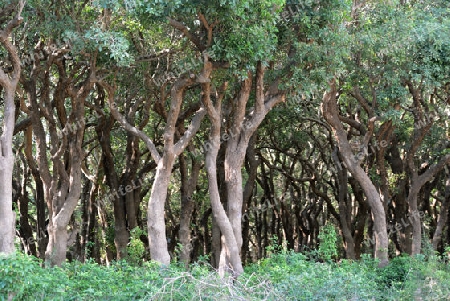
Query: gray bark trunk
pixel 155 211
pixel 9 83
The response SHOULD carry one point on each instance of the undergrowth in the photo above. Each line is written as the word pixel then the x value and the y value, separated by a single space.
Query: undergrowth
pixel 283 276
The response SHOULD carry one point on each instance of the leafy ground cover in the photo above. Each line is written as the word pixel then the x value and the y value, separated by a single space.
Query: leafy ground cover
pixel 283 276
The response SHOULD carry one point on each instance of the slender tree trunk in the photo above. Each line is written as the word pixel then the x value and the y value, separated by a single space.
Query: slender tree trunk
pixel 344 212
pixel 331 114
pixel 26 231
pixel 7 215
pixel 248 194
pixel 415 222
pixel 188 186
pixel 230 252
pixel 230 260
pixel 41 238
pixel 121 234
pixel 91 221
pixel 155 212
pixel 443 216
pixel 9 84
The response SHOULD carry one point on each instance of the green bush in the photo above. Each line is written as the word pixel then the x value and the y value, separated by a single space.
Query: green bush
pixel 327 245
pixel 283 276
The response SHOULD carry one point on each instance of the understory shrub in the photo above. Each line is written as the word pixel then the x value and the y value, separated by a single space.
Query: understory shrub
pixel 283 276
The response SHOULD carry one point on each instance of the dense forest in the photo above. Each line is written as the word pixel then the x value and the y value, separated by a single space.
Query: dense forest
pixel 224 131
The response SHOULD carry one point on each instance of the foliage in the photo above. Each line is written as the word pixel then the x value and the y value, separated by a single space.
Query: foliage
pixel 136 248
pixel 328 240
pixel 288 276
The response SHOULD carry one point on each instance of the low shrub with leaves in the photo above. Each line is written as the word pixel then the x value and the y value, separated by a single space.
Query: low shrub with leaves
pixel 284 276
pixel 328 240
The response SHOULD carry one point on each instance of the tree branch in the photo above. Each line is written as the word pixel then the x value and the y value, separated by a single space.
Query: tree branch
pixel 121 119
pixel 194 39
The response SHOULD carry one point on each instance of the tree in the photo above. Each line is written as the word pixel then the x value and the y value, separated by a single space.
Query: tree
pixel 8 81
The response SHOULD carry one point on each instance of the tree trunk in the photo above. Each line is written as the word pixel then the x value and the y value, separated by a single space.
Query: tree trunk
pixel 188 186
pixel 121 234
pixel 234 160
pixel 443 216
pixel 417 182
pixel 344 212
pixel 57 244
pixel 7 215
pixel 230 260
pixel 26 231
pixel 331 113
pixel 9 84
pixel 229 257
pixel 155 212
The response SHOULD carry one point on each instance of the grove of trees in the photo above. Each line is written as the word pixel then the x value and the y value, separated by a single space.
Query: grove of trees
pixel 190 129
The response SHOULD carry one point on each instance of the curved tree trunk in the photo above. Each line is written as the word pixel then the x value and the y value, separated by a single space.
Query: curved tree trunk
pixel 331 114
pixel 155 210
pixel 230 260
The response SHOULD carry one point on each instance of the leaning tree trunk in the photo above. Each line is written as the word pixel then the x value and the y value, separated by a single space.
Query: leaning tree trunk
pixel 230 260
pixel 9 84
pixel 331 114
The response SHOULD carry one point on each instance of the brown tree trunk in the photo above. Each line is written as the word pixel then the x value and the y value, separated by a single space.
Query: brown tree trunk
pixel 251 169
pixel 41 238
pixel 331 113
pixel 155 210
pixel 121 234
pixel 443 216
pixel 230 260
pixel 344 212
pixel 25 230
pixel 188 186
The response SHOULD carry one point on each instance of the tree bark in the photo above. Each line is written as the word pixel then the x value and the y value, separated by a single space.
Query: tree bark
pixel 9 84
pixel 242 129
pixel 331 113
pixel 188 186
pixel 443 215
pixel 344 216
pixel 121 234
pixel 155 210
pixel 230 260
